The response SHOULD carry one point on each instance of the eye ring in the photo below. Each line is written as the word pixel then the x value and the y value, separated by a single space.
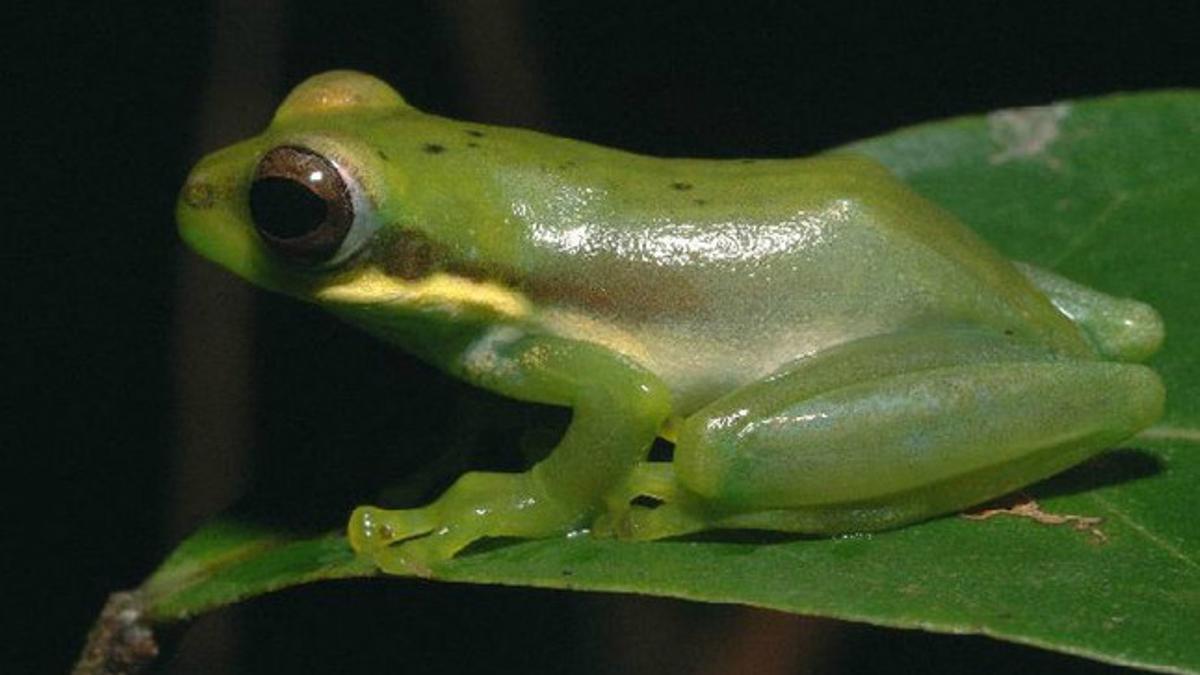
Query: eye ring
pixel 300 205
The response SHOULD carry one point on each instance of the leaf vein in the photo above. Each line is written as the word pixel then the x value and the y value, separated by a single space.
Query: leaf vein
pixel 1171 549
pixel 1171 434
pixel 1080 238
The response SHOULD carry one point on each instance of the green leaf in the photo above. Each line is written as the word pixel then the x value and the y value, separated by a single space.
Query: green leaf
pixel 1105 191
pixel 228 560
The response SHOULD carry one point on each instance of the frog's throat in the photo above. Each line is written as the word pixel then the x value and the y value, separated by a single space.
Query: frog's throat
pixel 373 287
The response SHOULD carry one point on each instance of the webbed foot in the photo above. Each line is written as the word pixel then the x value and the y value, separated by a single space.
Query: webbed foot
pixel 478 505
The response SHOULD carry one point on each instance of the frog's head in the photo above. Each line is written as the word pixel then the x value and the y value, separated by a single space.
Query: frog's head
pixel 345 200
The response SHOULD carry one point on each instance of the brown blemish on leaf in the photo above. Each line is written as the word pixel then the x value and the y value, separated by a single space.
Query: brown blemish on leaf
pixel 1024 506
pixel 1026 133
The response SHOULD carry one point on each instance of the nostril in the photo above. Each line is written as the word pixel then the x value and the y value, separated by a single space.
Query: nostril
pixel 198 194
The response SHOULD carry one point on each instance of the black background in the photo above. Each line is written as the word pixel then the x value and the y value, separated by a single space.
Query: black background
pixel 113 103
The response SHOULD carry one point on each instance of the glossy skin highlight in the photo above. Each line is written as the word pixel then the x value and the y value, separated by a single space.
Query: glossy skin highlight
pixel 829 351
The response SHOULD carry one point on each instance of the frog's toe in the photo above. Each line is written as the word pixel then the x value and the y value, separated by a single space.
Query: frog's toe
pixel 645 523
pixel 408 559
pixel 373 529
pixel 419 556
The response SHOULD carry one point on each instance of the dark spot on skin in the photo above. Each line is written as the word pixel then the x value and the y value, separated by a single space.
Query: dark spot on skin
pixel 382 154
pixel 412 255
pixel 409 255
pixel 472 144
pixel 473 132
pixel 681 186
pixel 433 148
pixel 699 202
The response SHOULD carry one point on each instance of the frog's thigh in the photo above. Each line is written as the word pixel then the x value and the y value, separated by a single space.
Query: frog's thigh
pixel 898 428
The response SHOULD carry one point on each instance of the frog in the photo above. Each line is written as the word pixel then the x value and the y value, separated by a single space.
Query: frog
pixel 823 351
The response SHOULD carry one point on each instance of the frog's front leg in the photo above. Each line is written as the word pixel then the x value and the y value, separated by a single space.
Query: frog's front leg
pixel 889 430
pixel 618 410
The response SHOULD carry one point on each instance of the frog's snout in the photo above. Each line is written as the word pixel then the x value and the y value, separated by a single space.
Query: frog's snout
pixel 211 219
pixel 195 208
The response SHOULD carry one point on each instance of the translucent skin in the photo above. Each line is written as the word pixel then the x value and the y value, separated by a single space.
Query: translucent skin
pixel 831 351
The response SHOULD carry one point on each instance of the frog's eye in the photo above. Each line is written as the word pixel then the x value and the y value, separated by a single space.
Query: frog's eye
pixel 301 205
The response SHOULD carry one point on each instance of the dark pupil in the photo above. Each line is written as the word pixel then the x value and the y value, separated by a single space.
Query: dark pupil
pixel 285 209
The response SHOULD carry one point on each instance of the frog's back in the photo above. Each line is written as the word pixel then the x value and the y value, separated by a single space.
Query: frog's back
pixel 717 273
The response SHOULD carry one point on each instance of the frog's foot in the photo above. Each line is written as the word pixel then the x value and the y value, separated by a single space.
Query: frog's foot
pixel 381 534
pixel 478 505
pixel 418 556
pixel 373 529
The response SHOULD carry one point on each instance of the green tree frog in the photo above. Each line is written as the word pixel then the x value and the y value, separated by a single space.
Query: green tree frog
pixel 827 351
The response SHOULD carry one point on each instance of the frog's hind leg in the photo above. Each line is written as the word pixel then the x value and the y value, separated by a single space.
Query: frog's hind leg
pixel 1119 328
pixel 893 429
pixel 672 510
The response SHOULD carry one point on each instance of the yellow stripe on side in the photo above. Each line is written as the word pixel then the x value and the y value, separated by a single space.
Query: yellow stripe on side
pixel 374 287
